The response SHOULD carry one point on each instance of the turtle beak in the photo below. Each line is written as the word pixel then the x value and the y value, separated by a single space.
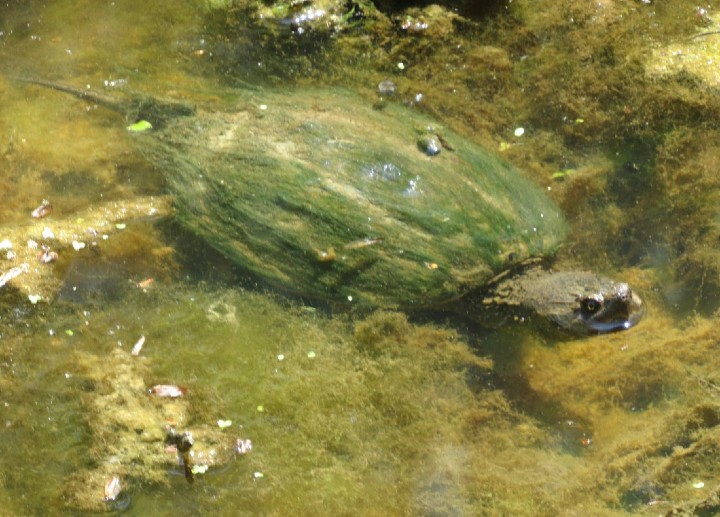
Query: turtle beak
pixel 616 310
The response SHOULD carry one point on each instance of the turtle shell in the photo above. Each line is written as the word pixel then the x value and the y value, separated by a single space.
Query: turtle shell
pixel 322 194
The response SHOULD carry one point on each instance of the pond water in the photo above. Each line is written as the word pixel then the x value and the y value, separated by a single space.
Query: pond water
pixel 355 413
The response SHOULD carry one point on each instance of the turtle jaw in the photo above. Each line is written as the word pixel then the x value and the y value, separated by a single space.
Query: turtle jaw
pixel 617 308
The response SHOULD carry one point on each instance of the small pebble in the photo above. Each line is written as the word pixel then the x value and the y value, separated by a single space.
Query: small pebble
pixel 429 145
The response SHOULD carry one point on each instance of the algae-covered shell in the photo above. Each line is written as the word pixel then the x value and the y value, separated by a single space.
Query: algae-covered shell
pixel 319 170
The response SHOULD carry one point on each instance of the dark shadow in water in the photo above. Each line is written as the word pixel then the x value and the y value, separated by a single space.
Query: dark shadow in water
pixel 474 9
pixel 505 345
pixel 201 263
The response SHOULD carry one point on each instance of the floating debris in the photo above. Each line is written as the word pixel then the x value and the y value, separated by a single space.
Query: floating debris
pixel 46 256
pixel 199 469
pixel 43 210
pixel 138 346
pixel 362 243
pixel 34 298
pixel 112 489
pixel 140 126
pixel 431 265
pixel 222 424
pixel 167 391
pixel 326 256
pixel 387 88
pixel 562 174
pixel 77 245
pixel 444 143
pixel 145 283
pixel 12 273
pixel 183 442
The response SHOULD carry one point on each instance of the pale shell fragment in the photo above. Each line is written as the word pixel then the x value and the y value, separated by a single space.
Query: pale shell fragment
pixel 112 488
pixel 47 233
pixel 243 446
pixel 5 244
pixel 167 390
pixel 77 245
pixel 138 346
pixel 43 210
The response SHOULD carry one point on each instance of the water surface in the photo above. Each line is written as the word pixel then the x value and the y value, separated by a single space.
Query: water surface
pixel 366 415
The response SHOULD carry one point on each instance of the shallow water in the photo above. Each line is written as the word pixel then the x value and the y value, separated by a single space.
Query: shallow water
pixel 356 415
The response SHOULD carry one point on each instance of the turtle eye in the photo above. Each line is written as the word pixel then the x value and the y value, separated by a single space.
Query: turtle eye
pixel 589 306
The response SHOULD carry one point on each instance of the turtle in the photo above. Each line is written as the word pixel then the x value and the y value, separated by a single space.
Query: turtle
pixel 332 196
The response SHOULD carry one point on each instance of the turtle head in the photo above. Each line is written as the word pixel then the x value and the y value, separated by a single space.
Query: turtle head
pixel 579 302
pixel 611 307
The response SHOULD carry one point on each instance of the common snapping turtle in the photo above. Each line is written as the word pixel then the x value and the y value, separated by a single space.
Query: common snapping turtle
pixel 321 194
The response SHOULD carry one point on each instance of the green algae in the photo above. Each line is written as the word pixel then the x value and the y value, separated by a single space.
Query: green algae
pixel 387 416
pixel 345 415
